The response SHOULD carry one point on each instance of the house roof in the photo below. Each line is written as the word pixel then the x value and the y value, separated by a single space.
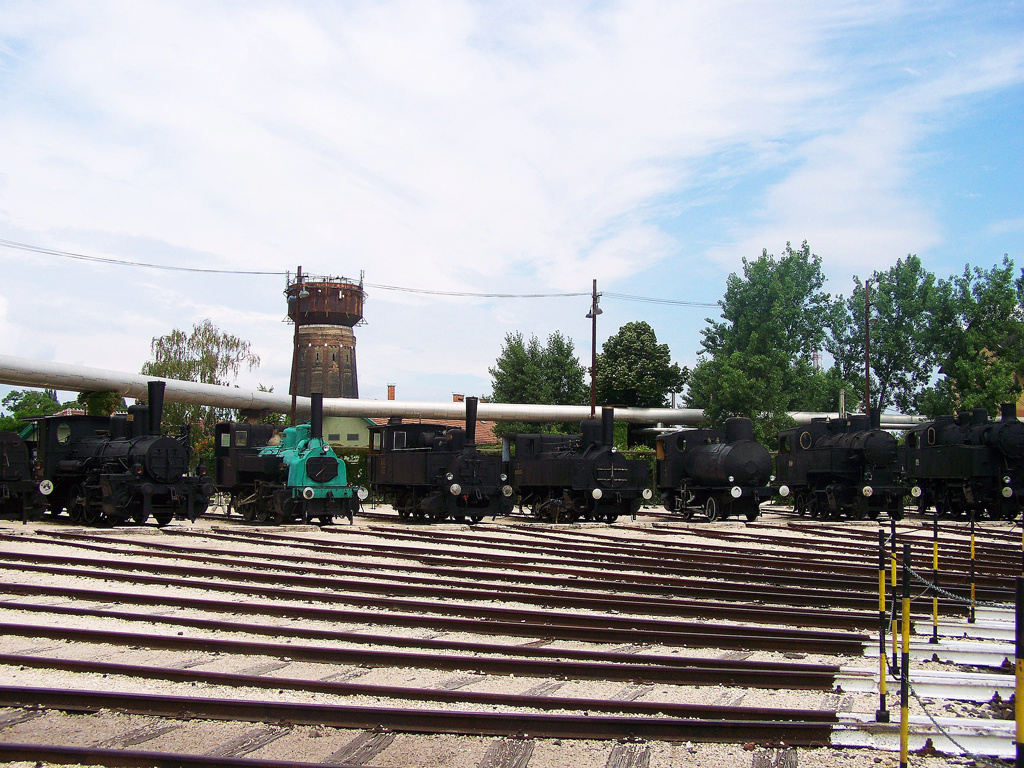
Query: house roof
pixel 484 429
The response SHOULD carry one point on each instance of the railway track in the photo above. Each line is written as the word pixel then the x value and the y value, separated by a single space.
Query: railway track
pixel 617 646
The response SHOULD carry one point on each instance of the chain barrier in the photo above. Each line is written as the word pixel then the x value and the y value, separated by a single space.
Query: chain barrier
pixel 966 752
pixel 950 595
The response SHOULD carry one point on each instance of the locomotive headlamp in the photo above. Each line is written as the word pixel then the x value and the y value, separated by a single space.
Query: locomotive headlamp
pixel 455 490
pixel 506 491
pixel 503 477
pixel 867 490
pixel 308 493
pixel 783 491
pixel 1006 480
pixel 363 494
pixel 648 494
pixel 735 491
pixel 1007 491
pixel 732 479
pixel 916 492
pixel 597 493
pixel 449 477
pixel 771 479
pixel 325 448
pixel 46 487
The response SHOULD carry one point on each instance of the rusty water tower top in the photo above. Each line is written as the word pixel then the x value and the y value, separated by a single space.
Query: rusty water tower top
pixel 319 300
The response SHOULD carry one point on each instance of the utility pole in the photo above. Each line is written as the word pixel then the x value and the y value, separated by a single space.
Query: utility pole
pixel 867 347
pixel 592 314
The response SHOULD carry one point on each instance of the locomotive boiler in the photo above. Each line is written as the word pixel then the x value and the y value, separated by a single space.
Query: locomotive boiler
pixel 845 466
pixel 108 470
pixel 968 464
pixel 432 473
pixel 720 472
pixel 276 476
pixel 563 478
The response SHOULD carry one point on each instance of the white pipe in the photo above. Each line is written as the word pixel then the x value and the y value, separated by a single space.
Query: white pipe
pixel 24 372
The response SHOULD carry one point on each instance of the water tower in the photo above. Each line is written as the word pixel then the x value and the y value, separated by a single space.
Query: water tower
pixel 324 311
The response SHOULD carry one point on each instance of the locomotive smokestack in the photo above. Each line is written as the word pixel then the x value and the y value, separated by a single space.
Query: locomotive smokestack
pixel 316 415
pixel 156 406
pixel 471 403
pixel 876 419
pixel 1008 411
pixel 608 426
pixel 738 428
pixel 979 417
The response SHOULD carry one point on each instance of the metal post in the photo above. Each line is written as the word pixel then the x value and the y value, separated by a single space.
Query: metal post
pixel 594 312
pixel 905 667
pixel 867 348
pixel 895 608
pixel 935 577
pixel 882 715
pixel 1019 653
pixel 971 619
pixel 295 346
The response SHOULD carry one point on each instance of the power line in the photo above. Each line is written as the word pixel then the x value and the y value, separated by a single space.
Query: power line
pixel 422 291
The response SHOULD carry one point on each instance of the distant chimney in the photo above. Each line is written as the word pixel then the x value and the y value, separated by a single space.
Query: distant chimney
pixel 456 398
pixel 391 391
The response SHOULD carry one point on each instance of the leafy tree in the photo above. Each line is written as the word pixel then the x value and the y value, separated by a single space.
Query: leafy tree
pixel 26 404
pixel 526 372
pixel 101 403
pixel 206 355
pixel 902 311
pixel 634 370
pixel 757 361
pixel 978 339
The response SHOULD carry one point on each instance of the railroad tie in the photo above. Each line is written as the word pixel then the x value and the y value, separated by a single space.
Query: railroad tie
pixel 544 689
pixel 629 754
pixel 507 753
pixel 632 692
pixel 138 735
pixel 458 681
pixel 264 669
pixel 15 716
pixel 248 742
pixel 361 749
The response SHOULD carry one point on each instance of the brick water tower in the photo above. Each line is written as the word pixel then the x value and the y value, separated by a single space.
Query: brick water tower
pixel 324 311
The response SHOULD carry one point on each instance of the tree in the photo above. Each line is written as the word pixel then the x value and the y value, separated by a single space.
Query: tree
pixel 526 372
pixel 634 370
pixel 206 355
pixel 26 404
pixel 902 311
pixel 758 360
pixel 101 403
pixel 978 340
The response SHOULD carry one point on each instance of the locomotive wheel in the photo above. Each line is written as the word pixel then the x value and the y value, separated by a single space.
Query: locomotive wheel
pixel 459 519
pixel 163 518
pixel 611 517
pixel 78 504
pixel 711 509
pixel 752 515
pixel 139 517
pixel 474 519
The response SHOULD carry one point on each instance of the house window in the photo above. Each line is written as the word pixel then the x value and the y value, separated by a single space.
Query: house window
pixel 352 437
pixel 334 437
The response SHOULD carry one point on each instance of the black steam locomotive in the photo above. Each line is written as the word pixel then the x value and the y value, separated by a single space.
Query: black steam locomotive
pixel 432 473
pixel 845 466
pixel 967 464
pixel 563 478
pixel 277 476
pixel 720 472
pixel 19 492
pixel 108 470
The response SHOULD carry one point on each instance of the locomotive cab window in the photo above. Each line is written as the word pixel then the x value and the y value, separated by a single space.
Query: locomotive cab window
pixel 399 441
pixel 63 432
pixel 785 443
pixel 225 440
pixel 241 438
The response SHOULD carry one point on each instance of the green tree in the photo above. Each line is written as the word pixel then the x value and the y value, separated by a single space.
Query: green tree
pixel 26 404
pixel 634 370
pixel 101 403
pixel 902 311
pixel 757 361
pixel 978 340
pixel 206 355
pixel 526 372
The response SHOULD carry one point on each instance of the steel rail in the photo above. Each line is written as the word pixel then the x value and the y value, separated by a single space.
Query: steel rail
pixel 848 645
pixel 600 727
pixel 133 758
pixel 383 593
pixel 685 633
pixel 594 581
pixel 426 587
pixel 236 680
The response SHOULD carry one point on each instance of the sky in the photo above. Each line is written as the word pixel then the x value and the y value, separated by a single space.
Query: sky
pixel 452 146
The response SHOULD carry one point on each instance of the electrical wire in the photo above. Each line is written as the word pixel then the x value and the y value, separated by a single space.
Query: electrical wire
pixel 375 286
